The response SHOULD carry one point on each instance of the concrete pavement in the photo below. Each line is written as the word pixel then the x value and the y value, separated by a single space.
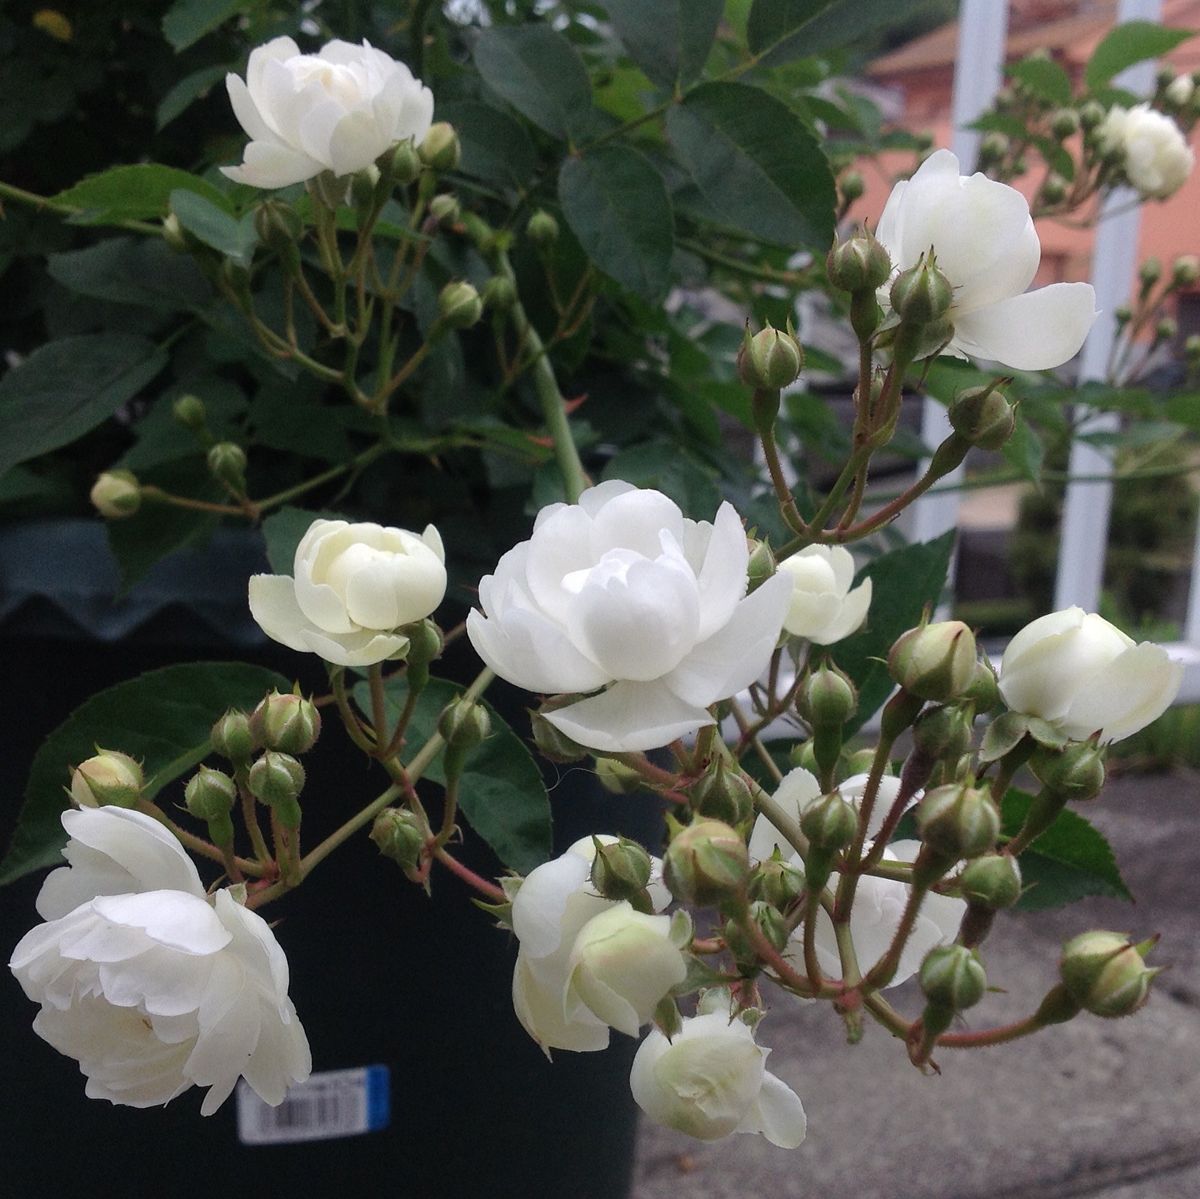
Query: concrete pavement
pixel 1108 1109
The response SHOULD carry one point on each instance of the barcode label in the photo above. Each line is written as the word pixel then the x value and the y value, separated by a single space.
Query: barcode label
pixel 335 1103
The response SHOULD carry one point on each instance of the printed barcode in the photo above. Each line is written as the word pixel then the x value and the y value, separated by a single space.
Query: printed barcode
pixel 335 1103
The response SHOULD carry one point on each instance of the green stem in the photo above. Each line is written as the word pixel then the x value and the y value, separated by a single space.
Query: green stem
pixel 45 204
pixel 250 817
pixel 327 476
pixel 196 844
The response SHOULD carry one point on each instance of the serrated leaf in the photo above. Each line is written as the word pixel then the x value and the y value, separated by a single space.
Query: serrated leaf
pixel 757 167
pixel 495 146
pixel 283 531
pixel 904 582
pixel 1070 860
pixel 132 193
pixel 501 793
pixel 67 387
pixel 780 30
pixel 617 206
pixel 669 40
pixel 1044 77
pixel 162 718
pixel 539 73
pixel 1129 43
pixel 211 224
pixel 187 21
pixel 128 270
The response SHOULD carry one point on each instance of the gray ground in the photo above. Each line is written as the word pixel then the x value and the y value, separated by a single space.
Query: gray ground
pixel 1103 1108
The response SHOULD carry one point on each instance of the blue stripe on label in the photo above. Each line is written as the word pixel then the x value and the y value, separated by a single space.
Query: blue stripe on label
pixel 379 1097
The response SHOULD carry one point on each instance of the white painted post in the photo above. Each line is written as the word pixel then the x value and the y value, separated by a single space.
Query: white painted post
pixel 978 73
pixel 1114 266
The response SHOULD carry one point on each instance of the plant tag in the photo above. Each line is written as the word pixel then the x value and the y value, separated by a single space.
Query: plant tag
pixel 334 1103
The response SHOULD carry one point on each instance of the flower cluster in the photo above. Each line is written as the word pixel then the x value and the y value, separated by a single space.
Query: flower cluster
pixel 1153 154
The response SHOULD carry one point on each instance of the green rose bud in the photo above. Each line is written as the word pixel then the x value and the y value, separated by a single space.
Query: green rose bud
pixel 769 359
pixel 405 164
pixel 464 724
pixel 776 882
pixel 210 794
pixel 190 412
pixel 983 417
pixel 827 698
pixel 110 777
pixel 116 494
pixel 770 923
pixel 233 738
pixel 499 293
pixel 921 294
pixel 285 722
pixel 705 863
pixel 1106 974
pixel 553 744
pixel 276 780
pixel 399 836
pixel 440 148
pixel 459 305
pixel 617 778
pixel 227 462
pixel 445 209
pixel 621 870
pixel 1064 123
pixel 542 229
pixel 958 821
pixel 952 976
pixel 762 565
pixel 722 793
pixel 1076 771
pixel 942 734
pixel 992 881
pixel 935 661
pixel 859 264
pixel 852 186
pixel 1185 271
pixel 829 822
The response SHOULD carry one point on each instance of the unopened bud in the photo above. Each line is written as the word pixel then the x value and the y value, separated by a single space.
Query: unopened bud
pixel 542 229
pixel 464 724
pixel 992 881
pixel 1064 123
pixel 621 870
pixel 1185 270
pixel 1105 973
pixel 942 734
pixel 958 821
pixel 935 661
pixel 174 235
pixel 553 744
pixel 1123 315
pixel 921 294
pixel 278 225
pixel 116 494
pixel 1054 189
pixel 776 882
pixel 829 822
pixel 993 147
pixel 852 186
pixel 770 359
pixel 1191 348
pixel 952 976
pixel 1075 772
pixel 425 643
pixel 190 412
pixel 210 794
pixel 110 777
pixel 459 305
pixel 399 836
pixel 362 188
pixel 233 738
pixel 285 722
pixel 617 778
pixel 770 923
pixel 1091 114
pixel 705 863
pixel 406 163
pixel 445 209
pixel 827 698
pixel 1150 272
pixel 440 148
pixel 499 293
pixel 1166 330
pixel 276 779
pixel 227 462
pixel 860 263
pixel 983 417
pixel 722 793
pixel 1179 91
pixel 762 565
pixel 984 690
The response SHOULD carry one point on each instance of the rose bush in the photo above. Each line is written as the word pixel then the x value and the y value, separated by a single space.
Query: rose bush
pixel 621 591
pixel 337 110
pixel 1084 676
pixel 824 605
pixel 354 586
pixel 986 246
pixel 148 985
pixel 1155 156
pixel 711 1079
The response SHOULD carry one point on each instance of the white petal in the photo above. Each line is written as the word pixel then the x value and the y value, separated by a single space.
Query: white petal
pixel 722 578
pixel 273 605
pixel 542 1016
pixel 356 142
pixel 1125 696
pixel 1032 332
pixel 850 616
pixel 777 1113
pixel 246 111
pixel 636 520
pixel 539 905
pixel 629 716
pixel 171 918
pixel 529 651
pixel 363 648
pixel 271 165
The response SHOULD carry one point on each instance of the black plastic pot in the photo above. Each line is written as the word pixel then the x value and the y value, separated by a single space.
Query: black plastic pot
pixel 380 974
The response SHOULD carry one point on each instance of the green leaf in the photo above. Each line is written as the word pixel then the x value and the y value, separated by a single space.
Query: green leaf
pixel 501 793
pixel 187 21
pixel 903 582
pixel 215 227
pixel 1025 450
pixel 757 167
pixel 495 146
pixel 780 30
pixel 539 73
pixel 1129 43
pixel 669 40
pixel 661 465
pixel 1185 409
pixel 132 193
pixel 189 88
pixel 129 270
pixel 67 387
pixel 617 206
pixel 1070 860
pixel 284 530
pixel 162 718
pixel 1044 77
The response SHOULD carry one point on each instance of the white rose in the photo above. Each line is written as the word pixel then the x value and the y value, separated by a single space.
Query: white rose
pixel 152 988
pixel 622 964
pixel 354 585
pixel 1180 90
pixel 337 110
pixel 878 902
pixel 550 910
pixel 986 246
pixel 824 608
pixel 710 1080
pixel 621 591
pixel 1083 675
pixel 1157 158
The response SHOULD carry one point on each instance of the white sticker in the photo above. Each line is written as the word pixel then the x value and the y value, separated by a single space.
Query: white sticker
pixel 334 1103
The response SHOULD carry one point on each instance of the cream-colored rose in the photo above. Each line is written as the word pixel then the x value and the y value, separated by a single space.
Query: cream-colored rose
pixel 1156 157
pixel 824 606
